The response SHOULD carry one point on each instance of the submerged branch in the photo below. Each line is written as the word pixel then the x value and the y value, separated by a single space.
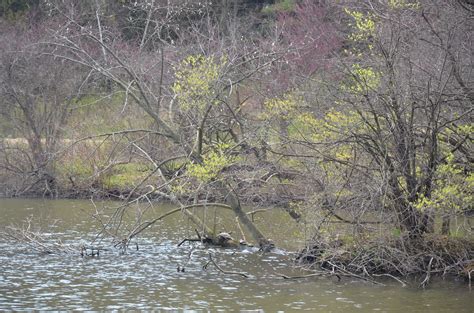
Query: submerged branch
pixel 319 274
pixel 211 261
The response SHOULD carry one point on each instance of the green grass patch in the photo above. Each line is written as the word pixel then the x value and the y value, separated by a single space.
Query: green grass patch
pixel 279 7
pixel 97 114
pixel 124 176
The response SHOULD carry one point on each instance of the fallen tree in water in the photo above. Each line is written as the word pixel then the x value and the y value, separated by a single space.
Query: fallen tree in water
pixel 112 226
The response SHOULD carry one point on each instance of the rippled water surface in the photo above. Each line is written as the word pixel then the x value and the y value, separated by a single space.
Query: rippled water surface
pixel 148 278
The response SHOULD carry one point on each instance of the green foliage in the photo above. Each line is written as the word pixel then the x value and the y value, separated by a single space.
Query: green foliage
pixel 212 164
pixel 334 129
pixel 179 189
pixel 284 107
pixel 403 4
pixel 334 125
pixel 453 189
pixel 364 80
pixel 196 80
pixel 453 184
pixel 364 26
pixel 174 165
pixel 465 129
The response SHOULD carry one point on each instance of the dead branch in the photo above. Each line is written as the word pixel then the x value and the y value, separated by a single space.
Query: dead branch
pixel 188 240
pixel 403 283
pixel 425 281
pixel 319 274
pixel 183 209
pixel 344 272
pixel 211 261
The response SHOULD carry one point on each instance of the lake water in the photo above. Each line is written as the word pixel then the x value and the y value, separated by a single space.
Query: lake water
pixel 148 278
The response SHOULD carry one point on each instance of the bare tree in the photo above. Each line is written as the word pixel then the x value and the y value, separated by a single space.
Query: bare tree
pixel 37 97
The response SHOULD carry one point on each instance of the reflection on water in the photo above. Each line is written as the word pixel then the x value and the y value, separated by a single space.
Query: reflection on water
pixel 148 279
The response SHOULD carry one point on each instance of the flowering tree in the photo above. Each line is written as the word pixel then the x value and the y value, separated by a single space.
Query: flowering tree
pixel 397 133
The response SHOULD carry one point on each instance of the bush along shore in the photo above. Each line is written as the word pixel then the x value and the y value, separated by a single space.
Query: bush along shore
pixel 408 261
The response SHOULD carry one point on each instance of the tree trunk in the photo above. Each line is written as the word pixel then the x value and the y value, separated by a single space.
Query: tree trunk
pixel 234 202
pixel 428 221
pixel 445 226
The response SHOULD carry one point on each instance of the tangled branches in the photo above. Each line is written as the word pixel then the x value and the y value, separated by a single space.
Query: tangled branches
pixel 35 239
pixel 393 257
